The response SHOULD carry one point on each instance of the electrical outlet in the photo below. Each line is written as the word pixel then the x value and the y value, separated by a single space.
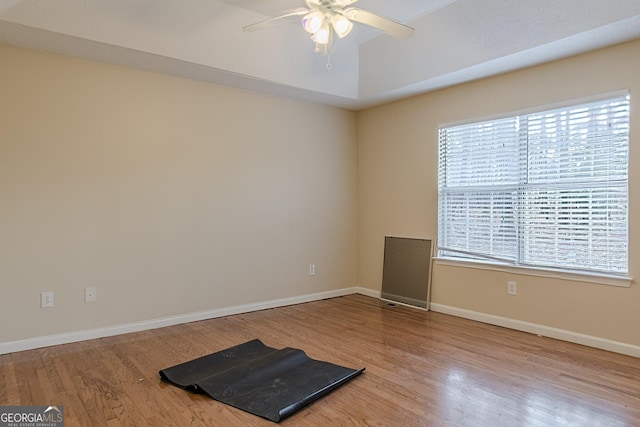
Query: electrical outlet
pixel 512 288
pixel 312 269
pixel 90 294
pixel 46 299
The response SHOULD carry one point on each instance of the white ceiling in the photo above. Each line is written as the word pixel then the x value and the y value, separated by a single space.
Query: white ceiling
pixel 455 41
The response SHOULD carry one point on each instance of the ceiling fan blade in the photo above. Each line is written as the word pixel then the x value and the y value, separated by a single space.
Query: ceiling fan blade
pixel 390 27
pixel 286 17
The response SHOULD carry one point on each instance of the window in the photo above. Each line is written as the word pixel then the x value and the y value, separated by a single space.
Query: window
pixel 546 189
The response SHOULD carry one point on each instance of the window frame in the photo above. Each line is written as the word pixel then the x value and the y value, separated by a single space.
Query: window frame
pixel 570 273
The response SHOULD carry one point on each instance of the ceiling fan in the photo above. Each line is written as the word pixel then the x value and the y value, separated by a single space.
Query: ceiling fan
pixel 324 18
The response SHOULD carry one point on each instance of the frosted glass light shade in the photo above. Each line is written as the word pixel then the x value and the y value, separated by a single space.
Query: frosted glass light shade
pixel 312 22
pixel 322 35
pixel 341 25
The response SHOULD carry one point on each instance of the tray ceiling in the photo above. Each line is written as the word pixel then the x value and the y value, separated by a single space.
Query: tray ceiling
pixel 454 41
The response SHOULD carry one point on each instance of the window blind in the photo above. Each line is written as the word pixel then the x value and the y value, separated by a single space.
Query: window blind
pixel 547 189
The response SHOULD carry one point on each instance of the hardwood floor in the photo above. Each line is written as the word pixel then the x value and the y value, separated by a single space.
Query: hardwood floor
pixel 422 369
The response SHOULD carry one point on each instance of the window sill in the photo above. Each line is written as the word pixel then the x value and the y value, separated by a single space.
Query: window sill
pixel 601 279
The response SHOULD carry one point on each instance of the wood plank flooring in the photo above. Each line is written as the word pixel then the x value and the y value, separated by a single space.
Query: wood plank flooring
pixel 422 369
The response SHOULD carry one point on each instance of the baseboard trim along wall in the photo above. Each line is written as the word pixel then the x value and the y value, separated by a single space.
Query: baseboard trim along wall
pixel 65 338
pixel 545 331
pixel 69 337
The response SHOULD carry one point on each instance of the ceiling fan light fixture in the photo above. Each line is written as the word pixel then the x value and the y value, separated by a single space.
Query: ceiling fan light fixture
pixel 312 22
pixel 341 25
pixel 327 19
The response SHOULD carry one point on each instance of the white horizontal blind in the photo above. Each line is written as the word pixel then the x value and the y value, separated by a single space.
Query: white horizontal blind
pixel 548 189
pixel 478 189
pixel 574 198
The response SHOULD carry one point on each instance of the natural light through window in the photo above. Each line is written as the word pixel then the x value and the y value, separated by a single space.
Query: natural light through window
pixel 546 189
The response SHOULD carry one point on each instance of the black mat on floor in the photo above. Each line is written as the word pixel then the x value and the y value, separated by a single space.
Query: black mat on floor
pixel 264 381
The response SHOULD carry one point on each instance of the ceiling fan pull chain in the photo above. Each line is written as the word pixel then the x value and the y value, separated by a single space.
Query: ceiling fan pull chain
pixel 329 66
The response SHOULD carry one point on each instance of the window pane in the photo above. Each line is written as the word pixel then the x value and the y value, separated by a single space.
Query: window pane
pixel 480 154
pixel 584 143
pixel 480 223
pixel 580 229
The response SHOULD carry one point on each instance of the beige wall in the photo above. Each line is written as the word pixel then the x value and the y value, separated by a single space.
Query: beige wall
pixel 173 196
pixel 170 196
pixel 397 157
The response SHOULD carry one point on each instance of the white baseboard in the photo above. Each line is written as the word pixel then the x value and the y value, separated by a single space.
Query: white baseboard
pixel 69 337
pixel 366 291
pixel 546 331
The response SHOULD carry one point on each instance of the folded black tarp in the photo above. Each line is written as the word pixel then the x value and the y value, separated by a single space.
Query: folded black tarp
pixel 261 380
